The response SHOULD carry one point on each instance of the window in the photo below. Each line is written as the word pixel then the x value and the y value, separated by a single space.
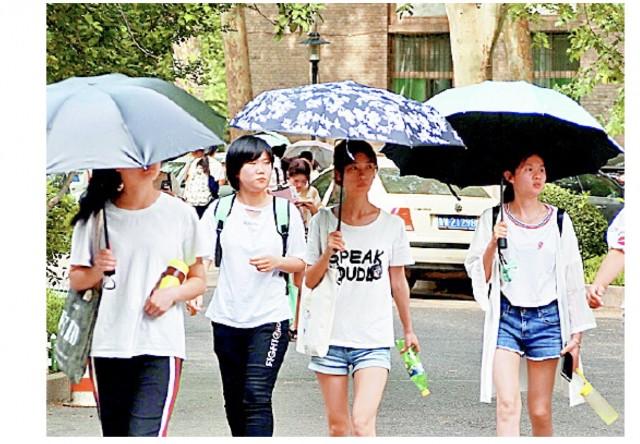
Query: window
pixel 551 66
pixel 422 65
pixel 394 183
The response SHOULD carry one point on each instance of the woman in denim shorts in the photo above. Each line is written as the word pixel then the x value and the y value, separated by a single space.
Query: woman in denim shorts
pixel 533 296
pixel 370 253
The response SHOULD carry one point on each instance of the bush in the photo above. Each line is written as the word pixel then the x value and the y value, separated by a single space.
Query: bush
pixel 591 267
pixel 589 224
pixel 59 230
pixel 55 303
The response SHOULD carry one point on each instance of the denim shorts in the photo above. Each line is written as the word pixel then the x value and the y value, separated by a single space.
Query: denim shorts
pixel 533 332
pixel 339 360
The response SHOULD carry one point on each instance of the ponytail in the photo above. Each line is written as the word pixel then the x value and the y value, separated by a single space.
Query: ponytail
pixel 104 185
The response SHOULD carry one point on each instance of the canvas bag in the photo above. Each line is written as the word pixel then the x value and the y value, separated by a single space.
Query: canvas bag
pixel 317 310
pixel 78 318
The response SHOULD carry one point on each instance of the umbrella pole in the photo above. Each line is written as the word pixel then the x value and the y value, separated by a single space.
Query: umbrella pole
pixel 502 242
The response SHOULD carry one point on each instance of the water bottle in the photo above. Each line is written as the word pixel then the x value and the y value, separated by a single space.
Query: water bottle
pixel 414 368
pixel 596 401
pixel 174 275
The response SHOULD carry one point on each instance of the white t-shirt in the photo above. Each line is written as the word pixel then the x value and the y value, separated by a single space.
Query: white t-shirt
pixel 532 250
pixel 615 233
pixel 246 297
pixel 363 312
pixel 216 169
pixel 143 242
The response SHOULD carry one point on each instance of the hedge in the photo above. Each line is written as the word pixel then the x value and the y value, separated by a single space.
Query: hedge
pixel 55 303
pixel 591 267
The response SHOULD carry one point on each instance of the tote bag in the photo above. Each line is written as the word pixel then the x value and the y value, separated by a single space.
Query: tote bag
pixel 317 310
pixel 75 328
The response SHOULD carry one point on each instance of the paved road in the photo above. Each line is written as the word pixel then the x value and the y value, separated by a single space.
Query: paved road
pixel 451 335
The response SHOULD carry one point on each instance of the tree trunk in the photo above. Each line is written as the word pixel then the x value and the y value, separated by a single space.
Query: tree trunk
pixel 473 28
pixel 517 44
pixel 236 58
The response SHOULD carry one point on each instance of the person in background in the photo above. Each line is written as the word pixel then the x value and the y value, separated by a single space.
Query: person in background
pixel 138 343
pixel 613 263
pixel 200 187
pixel 307 196
pixel 216 169
pixel 308 156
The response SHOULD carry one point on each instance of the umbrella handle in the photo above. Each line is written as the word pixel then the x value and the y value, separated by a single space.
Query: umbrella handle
pixel 106 241
pixel 502 242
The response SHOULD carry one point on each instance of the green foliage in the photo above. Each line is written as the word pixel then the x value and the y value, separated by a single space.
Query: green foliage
pixel 58 229
pixel 591 267
pixel 55 304
pixel 296 17
pixel 597 28
pixel 404 9
pixel 589 224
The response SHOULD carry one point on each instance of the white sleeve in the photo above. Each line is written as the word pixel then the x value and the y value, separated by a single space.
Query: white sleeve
pixel 194 242
pixel 295 244
pixel 208 231
pixel 474 263
pixel 81 243
pixel 314 248
pixel 615 233
pixel 581 317
pixel 401 250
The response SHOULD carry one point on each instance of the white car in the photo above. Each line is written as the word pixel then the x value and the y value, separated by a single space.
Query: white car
pixel 439 226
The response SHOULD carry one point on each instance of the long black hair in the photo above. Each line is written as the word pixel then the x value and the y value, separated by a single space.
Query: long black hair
pixel 104 185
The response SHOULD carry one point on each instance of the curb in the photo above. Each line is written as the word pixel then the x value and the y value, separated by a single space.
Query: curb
pixel 58 388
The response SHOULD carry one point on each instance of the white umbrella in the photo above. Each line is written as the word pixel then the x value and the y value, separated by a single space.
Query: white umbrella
pixel 322 151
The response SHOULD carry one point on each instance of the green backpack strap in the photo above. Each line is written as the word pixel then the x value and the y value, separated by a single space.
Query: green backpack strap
pixel 221 212
pixel 281 213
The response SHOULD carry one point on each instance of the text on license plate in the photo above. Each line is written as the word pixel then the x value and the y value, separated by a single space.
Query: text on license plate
pixel 457 223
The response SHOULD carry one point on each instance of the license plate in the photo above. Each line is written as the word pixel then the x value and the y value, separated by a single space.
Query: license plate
pixel 457 223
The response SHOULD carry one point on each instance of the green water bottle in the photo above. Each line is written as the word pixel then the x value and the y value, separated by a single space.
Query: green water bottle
pixel 414 368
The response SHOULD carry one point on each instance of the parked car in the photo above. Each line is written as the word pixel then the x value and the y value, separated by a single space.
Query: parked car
pixel 439 226
pixel 605 194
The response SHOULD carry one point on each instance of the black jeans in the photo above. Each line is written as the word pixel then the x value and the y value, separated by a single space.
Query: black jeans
pixel 135 396
pixel 250 359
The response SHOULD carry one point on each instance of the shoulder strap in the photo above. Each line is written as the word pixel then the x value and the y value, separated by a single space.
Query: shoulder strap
pixel 495 212
pixel 281 215
pixel 560 219
pixel 221 212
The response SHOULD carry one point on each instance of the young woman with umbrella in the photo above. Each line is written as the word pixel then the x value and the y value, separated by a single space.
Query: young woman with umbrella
pixel 139 340
pixel 250 311
pixel 534 301
pixel 371 249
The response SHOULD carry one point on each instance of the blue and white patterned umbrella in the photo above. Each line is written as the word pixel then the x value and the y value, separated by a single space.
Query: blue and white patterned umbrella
pixel 347 110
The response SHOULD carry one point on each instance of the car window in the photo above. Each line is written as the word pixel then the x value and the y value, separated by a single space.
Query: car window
pixel 600 186
pixel 394 183
pixel 570 183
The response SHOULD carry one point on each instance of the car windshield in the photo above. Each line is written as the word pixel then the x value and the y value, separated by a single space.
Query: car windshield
pixel 394 183
pixel 595 185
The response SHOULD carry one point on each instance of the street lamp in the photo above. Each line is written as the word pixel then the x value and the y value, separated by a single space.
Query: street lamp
pixel 314 41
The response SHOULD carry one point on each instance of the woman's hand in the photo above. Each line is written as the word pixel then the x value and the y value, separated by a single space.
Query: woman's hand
pixel 594 296
pixel 411 341
pixel 266 264
pixel 499 231
pixel 104 261
pixel 335 242
pixel 573 347
pixel 308 204
pixel 194 306
pixel 160 301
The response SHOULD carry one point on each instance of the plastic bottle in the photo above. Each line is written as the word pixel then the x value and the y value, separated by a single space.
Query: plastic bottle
pixel 597 401
pixel 414 368
pixel 174 275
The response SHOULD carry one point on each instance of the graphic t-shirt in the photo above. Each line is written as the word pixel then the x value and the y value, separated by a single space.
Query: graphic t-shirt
pixel 363 316
pixel 615 233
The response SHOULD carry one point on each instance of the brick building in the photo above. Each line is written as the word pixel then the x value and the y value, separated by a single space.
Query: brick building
pixel 370 45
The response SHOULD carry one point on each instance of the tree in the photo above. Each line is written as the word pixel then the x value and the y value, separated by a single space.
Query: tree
pixel 58 228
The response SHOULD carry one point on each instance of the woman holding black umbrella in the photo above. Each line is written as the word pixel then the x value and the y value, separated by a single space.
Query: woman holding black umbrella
pixel 371 249
pixel 139 340
pixel 533 296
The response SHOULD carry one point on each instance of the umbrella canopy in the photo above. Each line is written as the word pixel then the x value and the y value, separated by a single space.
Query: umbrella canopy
pixel 273 139
pixel 322 152
pixel 116 121
pixel 499 121
pixel 346 110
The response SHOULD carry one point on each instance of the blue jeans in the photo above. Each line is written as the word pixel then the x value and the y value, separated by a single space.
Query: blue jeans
pixel 530 331
pixel 339 360
pixel 250 359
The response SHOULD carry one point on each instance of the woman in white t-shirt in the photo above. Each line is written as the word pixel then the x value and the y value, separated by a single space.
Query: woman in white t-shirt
pixel 370 252
pixel 534 302
pixel 250 310
pixel 139 341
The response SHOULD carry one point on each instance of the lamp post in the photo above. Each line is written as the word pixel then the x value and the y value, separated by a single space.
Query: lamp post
pixel 314 41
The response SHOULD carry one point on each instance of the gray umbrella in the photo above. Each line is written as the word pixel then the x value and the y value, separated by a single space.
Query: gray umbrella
pixel 116 121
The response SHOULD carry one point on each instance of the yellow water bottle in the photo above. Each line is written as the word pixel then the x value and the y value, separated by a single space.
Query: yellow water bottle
pixel 174 275
pixel 597 401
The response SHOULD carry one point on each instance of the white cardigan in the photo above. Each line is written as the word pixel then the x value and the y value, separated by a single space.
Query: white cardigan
pixel 575 314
